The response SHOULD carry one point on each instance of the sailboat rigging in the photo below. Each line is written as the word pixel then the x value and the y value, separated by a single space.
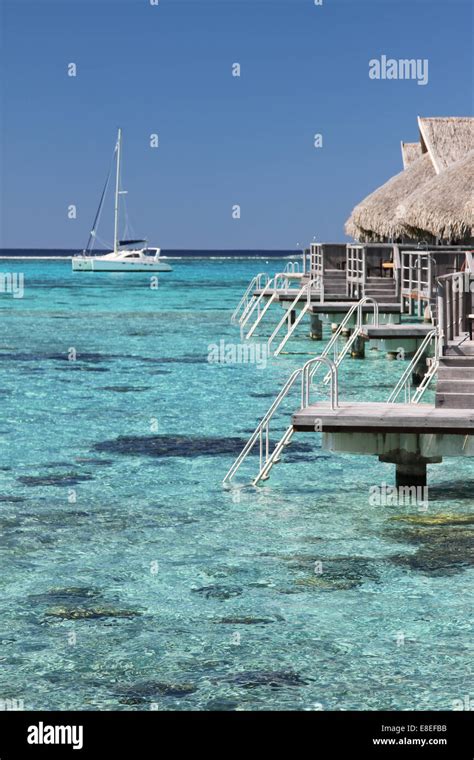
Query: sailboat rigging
pixel 122 258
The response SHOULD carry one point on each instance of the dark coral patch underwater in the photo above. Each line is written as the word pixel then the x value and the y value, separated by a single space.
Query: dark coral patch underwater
pixel 150 691
pixel 445 543
pixel 63 479
pixel 278 679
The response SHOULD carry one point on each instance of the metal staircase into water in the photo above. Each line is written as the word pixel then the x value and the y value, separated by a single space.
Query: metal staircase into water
pixel 248 299
pixel 332 347
pixel 261 434
pixel 305 374
pixel 292 270
pixel 448 350
pixel 292 323
pixel 271 292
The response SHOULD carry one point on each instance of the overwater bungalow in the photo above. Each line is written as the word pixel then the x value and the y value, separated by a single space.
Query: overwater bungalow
pixel 419 227
pixel 428 203
pixel 400 430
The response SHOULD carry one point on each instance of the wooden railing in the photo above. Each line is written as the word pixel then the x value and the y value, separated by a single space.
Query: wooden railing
pixel 417 281
pixel 317 260
pixel 356 271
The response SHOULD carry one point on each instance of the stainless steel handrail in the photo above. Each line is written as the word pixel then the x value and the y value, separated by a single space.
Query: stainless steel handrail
pixel 404 383
pixel 306 290
pixel 255 284
pixel 262 431
pixel 308 372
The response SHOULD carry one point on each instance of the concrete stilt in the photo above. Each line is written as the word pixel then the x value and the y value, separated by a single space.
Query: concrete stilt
pixel 411 474
pixel 410 468
pixel 292 317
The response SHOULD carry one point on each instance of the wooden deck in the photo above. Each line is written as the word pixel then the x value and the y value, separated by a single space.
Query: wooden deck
pixel 340 307
pixel 289 294
pixel 330 303
pixel 365 417
pixel 404 330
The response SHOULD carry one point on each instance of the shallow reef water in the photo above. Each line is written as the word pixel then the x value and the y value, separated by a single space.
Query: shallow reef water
pixel 131 579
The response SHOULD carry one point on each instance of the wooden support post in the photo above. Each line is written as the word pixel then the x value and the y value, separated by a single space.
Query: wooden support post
pixel 449 309
pixel 316 327
pixel 419 372
pixel 358 348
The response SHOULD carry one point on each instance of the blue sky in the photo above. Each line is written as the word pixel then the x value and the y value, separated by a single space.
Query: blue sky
pixel 167 69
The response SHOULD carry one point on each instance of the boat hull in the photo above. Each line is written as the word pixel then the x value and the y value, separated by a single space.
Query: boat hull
pixel 96 264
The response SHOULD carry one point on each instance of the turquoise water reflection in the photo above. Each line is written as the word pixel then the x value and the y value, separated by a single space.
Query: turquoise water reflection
pixel 131 579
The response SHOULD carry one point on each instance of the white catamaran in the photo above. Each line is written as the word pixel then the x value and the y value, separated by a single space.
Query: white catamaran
pixel 122 258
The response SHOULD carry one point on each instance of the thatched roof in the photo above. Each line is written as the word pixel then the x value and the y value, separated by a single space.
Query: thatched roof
pixel 444 142
pixel 444 206
pixel 376 215
pixel 446 139
pixel 352 229
pixel 356 232
pixel 410 152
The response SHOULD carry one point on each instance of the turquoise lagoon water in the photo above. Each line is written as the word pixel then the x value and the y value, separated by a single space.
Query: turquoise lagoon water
pixel 132 580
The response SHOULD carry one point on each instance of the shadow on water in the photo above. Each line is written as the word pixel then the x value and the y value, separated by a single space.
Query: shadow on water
pixel 181 446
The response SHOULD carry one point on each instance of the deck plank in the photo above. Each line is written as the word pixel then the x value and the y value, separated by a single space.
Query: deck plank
pixel 405 330
pixel 385 418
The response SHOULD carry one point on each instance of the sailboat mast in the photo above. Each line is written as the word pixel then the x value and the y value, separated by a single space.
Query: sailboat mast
pixel 117 193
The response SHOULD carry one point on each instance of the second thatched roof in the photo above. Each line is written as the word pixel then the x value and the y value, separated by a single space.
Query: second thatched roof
pixel 446 138
pixel 410 152
pixel 444 206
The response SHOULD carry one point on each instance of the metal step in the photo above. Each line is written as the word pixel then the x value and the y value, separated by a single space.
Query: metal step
pixel 275 457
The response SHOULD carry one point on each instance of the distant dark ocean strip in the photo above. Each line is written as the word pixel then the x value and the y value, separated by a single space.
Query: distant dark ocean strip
pixel 171 253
